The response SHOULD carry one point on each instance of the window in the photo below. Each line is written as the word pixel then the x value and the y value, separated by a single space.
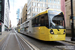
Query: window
pixel 54 1
pixel 58 1
pixel 36 0
pixel 35 9
pixel 53 6
pixel 0 7
pixel 33 22
pixel 40 9
pixel 0 28
pixel 44 0
pixel 43 5
pixel 41 20
pixel 38 4
pixel 0 1
pixel 0 16
pixel 34 4
pixel 49 5
pixel 33 14
pixel 44 20
pixel 50 1
pixel 58 7
pixel 40 0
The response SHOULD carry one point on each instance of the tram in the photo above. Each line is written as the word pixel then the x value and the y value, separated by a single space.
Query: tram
pixel 18 28
pixel 46 26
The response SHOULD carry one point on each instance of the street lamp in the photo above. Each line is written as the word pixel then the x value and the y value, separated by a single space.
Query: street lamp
pixel 72 24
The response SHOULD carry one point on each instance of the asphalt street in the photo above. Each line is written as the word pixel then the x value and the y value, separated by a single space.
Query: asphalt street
pixel 12 40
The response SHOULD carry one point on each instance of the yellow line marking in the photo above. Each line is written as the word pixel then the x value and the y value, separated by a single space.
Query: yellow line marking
pixel 29 43
pixel 3 37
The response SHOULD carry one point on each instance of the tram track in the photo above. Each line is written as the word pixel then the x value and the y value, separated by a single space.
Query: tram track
pixel 19 43
pixel 56 45
pixel 32 47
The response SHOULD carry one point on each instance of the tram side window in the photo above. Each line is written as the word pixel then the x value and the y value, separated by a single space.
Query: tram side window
pixel 46 21
pixel 42 20
pixel 37 22
pixel 33 22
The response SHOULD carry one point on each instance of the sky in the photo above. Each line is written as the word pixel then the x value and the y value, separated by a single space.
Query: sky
pixel 14 6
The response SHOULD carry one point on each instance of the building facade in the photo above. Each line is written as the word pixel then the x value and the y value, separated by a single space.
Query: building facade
pixel 1 14
pixel 36 6
pixel 24 13
pixel 18 14
pixel 9 24
pixel 68 13
pixel 5 25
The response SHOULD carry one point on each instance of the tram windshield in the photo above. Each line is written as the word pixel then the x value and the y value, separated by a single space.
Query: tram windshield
pixel 56 21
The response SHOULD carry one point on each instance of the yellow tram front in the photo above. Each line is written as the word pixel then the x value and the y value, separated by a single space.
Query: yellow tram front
pixel 49 26
pixel 56 25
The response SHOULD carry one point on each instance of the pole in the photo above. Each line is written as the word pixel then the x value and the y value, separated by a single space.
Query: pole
pixel 72 24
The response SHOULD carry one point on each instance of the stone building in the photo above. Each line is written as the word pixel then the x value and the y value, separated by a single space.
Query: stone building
pixel 36 6
pixel 68 13
pixel 24 13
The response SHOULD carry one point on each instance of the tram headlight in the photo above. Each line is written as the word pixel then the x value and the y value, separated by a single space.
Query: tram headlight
pixel 64 32
pixel 51 31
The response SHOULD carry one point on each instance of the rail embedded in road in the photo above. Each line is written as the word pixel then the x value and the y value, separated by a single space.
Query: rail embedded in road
pixel 31 46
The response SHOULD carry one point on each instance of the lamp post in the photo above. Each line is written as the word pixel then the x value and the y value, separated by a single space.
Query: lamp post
pixel 72 24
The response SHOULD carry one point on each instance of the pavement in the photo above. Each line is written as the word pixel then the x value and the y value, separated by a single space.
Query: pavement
pixel 8 41
pixel 68 39
pixel 3 38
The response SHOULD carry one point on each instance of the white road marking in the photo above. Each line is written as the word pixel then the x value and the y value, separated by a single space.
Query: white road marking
pixel 28 43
